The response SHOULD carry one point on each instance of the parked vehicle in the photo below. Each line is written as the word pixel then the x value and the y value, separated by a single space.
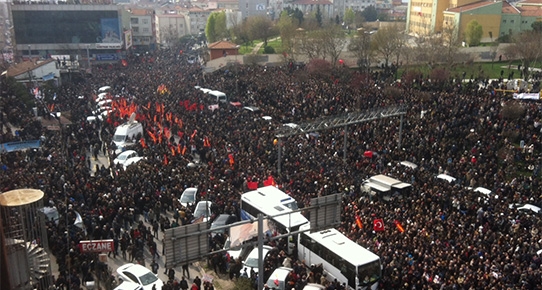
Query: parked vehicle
pixel 203 211
pixel 138 274
pixel 189 196
pixel 252 260
pixel 124 156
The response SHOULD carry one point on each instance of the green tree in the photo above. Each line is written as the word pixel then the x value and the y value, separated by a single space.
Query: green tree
pixel 220 25
pixel 537 26
pixel 319 16
pixel 210 28
pixel 370 14
pixel 216 27
pixel 349 16
pixel 295 14
pixel 473 33
pixel 287 30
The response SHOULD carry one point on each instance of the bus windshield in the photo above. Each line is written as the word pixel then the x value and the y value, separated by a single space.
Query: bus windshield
pixel 369 273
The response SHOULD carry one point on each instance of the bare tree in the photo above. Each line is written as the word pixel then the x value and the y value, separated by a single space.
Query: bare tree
pixel 333 41
pixel 387 42
pixel 526 46
pixel 311 45
pixel 260 27
pixel 360 46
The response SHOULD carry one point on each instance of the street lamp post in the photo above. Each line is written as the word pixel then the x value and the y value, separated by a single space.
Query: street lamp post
pixel 29 53
pixel 88 56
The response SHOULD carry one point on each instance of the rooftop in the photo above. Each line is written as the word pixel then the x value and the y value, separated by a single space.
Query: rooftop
pixel 222 45
pixel 471 6
pixel 26 66
pixel 312 2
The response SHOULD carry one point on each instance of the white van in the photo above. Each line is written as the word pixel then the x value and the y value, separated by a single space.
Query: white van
pixel 127 132
pixel 279 279
pixel 218 95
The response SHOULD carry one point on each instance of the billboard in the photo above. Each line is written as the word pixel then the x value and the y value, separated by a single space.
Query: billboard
pixel 107 56
pixel 110 30
pixel 35 26
pixel 127 39
pixel 97 246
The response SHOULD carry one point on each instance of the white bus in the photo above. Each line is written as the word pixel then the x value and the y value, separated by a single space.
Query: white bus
pixel 270 201
pixel 341 258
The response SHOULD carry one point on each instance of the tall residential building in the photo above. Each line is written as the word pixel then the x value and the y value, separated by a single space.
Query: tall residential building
pixel 426 17
pixel 143 27
pixel 170 26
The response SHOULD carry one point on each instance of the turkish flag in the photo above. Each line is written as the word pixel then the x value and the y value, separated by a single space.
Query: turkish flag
pixel 378 225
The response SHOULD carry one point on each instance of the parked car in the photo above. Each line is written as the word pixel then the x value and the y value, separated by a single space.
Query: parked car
pixel 140 275
pixel 279 279
pixel 314 286
pixel 203 211
pixel 525 207
pixel 251 262
pixel 127 285
pixel 239 252
pixel 124 156
pixel 222 220
pixel 189 196
pixel 132 160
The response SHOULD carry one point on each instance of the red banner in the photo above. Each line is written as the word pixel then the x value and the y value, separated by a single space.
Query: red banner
pixel 96 246
pixel 378 225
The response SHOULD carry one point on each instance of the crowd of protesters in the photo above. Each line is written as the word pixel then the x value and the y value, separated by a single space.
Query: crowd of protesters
pixel 454 237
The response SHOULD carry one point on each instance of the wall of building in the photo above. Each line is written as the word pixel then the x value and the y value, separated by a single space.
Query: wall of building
pixel 489 22
pixel 510 24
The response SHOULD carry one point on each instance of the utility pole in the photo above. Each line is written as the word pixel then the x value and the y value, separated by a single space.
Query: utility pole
pixel 88 56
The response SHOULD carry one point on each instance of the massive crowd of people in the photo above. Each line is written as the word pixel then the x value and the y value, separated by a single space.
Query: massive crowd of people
pixel 454 237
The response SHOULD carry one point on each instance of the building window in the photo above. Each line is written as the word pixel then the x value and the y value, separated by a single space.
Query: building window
pixel 145 21
pixel 134 20
pixel 145 30
pixel 135 29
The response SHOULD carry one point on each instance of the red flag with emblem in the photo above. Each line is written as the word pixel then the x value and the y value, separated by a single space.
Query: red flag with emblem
pixel 378 225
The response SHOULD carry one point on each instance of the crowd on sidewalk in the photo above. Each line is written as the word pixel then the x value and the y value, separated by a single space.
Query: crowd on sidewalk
pixel 454 238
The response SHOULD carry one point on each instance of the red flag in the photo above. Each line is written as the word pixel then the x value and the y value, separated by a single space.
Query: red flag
pixel 165 160
pixel 206 142
pixel 124 63
pixel 142 141
pixel 378 225
pixel 358 222
pixel 232 161
pixel 399 226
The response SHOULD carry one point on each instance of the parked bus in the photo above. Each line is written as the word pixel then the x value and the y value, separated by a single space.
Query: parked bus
pixel 270 201
pixel 341 258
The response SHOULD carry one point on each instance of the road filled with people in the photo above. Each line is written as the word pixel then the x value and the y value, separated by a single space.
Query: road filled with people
pixel 450 236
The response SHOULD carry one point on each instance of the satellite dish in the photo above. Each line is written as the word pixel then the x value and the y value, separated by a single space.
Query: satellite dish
pixel 132 118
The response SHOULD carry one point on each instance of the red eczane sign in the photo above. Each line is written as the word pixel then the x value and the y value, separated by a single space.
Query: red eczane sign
pixel 96 246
